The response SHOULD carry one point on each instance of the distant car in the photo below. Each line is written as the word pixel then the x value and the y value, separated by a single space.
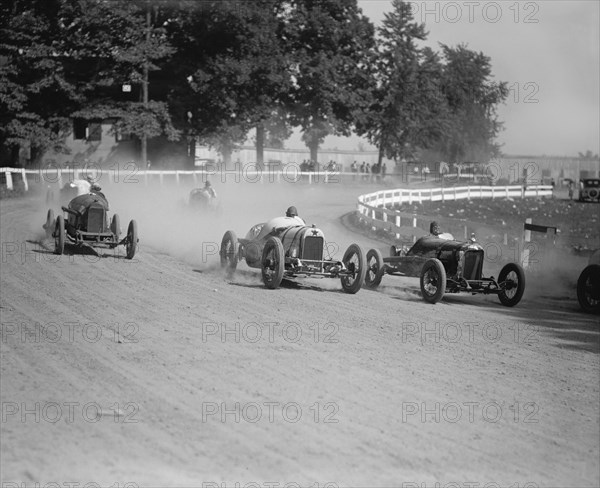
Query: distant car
pixel 588 285
pixel 288 249
pixel 86 224
pixel 446 266
pixel 204 200
pixel 589 190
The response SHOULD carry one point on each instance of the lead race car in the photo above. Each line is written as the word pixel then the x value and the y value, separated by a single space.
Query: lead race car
pixel 445 265
pixel 285 247
pixel 86 224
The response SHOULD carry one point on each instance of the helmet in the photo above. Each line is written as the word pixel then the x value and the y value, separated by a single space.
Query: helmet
pixel 291 212
pixel 434 228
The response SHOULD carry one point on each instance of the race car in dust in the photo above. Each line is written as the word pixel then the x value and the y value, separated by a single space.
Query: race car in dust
pixel 286 248
pixel 445 265
pixel 588 285
pixel 85 223
pixel 204 199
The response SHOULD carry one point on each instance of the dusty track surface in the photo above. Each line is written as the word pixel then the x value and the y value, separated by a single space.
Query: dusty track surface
pixel 165 372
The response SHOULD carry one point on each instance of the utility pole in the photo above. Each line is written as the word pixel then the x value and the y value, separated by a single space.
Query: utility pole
pixel 144 155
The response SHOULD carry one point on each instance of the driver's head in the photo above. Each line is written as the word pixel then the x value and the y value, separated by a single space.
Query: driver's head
pixel 207 184
pixel 434 228
pixel 291 212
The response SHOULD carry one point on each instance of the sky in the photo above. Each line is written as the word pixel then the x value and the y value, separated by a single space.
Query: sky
pixel 547 50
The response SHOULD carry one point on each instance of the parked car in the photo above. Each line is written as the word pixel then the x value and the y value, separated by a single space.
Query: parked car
pixel 589 190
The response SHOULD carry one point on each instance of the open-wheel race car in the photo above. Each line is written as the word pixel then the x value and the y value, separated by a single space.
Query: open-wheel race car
pixel 285 248
pixel 446 266
pixel 204 200
pixel 588 285
pixel 86 224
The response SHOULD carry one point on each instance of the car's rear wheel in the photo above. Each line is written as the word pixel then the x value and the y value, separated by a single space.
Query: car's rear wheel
pixel 375 270
pixel 588 289
pixel 433 280
pixel 59 235
pixel 272 263
pixel 354 261
pixel 512 284
pixel 115 227
pixel 132 239
pixel 229 251
pixel 50 223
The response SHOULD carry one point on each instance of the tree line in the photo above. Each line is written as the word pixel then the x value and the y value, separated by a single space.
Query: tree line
pixel 212 71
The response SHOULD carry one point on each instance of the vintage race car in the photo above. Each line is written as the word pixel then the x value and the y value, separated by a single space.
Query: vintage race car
pixel 86 224
pixel 202 199
pixel 446 266
pixel 589 190
pixel 588 285
pixel 285 248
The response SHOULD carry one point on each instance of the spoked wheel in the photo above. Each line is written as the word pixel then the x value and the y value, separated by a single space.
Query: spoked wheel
pixel 375 269
pixel 229 251
pixel 433 280
pixel 512 282
pixel 132 239
pixel 59 235
pixel 588 289
pixel 354 261
pixel 115 227
pixel 50 223
pixel 272 263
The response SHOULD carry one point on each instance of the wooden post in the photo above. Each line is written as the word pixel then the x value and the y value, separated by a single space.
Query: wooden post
pixel 525 253
pixel 24 176
pixel 9 182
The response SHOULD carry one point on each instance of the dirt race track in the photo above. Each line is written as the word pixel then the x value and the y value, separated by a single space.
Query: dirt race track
pixel 164 372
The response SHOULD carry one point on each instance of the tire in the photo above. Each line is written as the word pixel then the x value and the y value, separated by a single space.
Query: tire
pixel 59 235
pixel 132 239
pixel 374 269
pixel 433 280
pixel 229 251
pixel 354 261
pixel 50 223
pixel 272 263
pixel 115 227
pixel 516 277
pixel 588 289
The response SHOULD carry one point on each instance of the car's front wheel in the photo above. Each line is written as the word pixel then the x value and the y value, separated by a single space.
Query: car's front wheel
pixel 375 269
pixel 272 263
pixel 354 261
pixel 512 284
pixel 229 251
pixel 132 239
pixel 59 235
pixel 433 280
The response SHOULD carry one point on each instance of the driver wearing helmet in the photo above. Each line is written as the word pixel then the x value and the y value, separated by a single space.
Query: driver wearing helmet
pixel 434 230
pixel 292 213
pixel 210 190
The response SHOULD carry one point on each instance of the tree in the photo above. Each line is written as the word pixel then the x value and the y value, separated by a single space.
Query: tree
pixel 328 43
pixel 472 97
pixel 408 111
pixel 230 69
pixel 61 58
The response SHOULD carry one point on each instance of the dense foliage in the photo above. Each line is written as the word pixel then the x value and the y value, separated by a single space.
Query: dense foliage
pixel 212 71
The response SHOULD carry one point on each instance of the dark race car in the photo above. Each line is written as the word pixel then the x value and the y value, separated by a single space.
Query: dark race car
pixel 86 224
pixel 588 285
pixel 203 199
pixel 286 248
pixel 446 266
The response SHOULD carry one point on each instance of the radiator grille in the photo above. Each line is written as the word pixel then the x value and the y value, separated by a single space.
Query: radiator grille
pixel 473 263
pixel 313 248
pixel 95 221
